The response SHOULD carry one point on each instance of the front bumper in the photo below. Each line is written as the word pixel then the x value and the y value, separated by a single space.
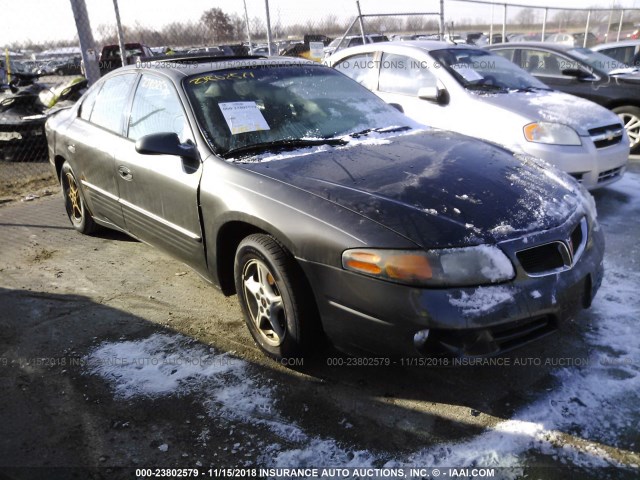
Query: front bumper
pixel 23 141
pixel 591 166
pixel 363 315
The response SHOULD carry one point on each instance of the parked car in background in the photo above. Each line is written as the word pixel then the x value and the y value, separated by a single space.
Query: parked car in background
pixel 216 51
pixel 110 56
pixel 351 41
pixel 572 39
pixel 584 73
pixel 21 74
pixel 47 67
pixel 326 210
pixel 472 91
pixel 69 66
pixel 23 114
pixel 626 51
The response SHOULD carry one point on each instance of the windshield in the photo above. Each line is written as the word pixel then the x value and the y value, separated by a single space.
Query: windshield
pixel 481 70
pixel 275 104
pixel 596 60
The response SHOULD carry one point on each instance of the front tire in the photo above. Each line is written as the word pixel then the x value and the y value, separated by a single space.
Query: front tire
pixel 74 202
pixel 630 117
pixel 275 298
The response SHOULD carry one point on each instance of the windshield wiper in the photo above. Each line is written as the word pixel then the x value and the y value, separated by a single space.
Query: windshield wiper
pixel 367 131
pixel 532 89
pixel 486 87
pixel 284 144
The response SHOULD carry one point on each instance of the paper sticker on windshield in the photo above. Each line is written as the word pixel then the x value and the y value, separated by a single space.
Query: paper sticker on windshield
pixel 243 117
pixel 467 72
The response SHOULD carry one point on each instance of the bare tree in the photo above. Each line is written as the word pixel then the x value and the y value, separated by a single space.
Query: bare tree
pixel 526 17
pixel 565 18
pixel 218 24
pixel 239 26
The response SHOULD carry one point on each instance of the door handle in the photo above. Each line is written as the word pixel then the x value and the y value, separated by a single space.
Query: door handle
pixel 71 148
pixel 125 173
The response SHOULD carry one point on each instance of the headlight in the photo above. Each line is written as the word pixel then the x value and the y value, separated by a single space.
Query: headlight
pixel 449 267
pixel 551 133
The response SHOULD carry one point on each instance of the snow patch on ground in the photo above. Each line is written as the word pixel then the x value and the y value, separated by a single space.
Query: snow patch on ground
pixel 589 409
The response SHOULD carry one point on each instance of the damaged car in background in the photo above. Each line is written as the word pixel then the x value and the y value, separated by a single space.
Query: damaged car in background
pixel 23 113
pixel 328 212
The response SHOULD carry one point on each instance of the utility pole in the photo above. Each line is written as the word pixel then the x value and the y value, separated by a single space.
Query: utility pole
pixel 87 44
pixel 269 39
pixel 441 22
pixel 364 40
pixel 123 53
pixel 246 21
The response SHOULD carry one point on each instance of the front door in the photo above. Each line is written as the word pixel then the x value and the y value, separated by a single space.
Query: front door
pixel 159 193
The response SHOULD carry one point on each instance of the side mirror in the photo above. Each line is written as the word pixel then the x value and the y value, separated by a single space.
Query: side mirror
pixel 398 107
pixel 432 94
pixel 165 144
pixel 577 73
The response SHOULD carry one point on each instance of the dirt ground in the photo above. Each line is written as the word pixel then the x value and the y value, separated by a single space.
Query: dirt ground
pixel 70 305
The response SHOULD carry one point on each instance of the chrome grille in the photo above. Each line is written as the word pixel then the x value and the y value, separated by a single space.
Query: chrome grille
pixel 606 136
pixel 556 256
pixel 609 174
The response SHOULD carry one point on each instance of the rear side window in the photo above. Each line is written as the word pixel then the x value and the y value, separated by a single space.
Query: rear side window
pixel 505 53
pixel 87 105
pixel 109 107
pixel 404 75
pixel 362 68
pixel 156 109
pixel 622 54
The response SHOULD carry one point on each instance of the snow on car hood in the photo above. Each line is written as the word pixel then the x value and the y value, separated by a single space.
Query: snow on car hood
pixel 439 189
pixel 552 106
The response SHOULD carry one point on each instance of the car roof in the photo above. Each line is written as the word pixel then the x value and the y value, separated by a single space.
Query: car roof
pixel 425 45
pixel 436 44
pixel 621 43
pixel 547 45
pixel 558 47
pixel 180 66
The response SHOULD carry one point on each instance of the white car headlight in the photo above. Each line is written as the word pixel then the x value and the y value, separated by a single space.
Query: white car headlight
pixel 551 133
pixel 479 265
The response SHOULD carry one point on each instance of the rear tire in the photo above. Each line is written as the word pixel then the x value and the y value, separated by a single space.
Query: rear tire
pixel 74 202
pixel 630 117
pixel 276 301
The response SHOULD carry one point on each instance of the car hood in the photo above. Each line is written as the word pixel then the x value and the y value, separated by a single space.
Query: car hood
pixel 552 106
pixel 439 189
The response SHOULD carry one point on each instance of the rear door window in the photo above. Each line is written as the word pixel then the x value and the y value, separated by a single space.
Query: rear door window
pixel 404 75
pixel 108 110
pixel 362 68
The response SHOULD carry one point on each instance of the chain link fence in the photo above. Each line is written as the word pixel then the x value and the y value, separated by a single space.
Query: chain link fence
pixel 50 49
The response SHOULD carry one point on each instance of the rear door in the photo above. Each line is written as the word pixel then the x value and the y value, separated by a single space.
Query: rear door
pixel 159 193
pixel 91 140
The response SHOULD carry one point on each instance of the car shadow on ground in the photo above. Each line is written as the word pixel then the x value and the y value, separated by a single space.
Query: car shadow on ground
pixel 62 414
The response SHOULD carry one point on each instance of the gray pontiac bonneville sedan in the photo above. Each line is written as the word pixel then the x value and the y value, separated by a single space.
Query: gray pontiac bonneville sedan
pixel 328 212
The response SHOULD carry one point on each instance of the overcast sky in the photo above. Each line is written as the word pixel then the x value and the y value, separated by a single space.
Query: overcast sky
pixel 52 19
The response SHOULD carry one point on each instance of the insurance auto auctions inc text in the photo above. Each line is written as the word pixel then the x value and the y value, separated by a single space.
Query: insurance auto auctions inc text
pixel 377 473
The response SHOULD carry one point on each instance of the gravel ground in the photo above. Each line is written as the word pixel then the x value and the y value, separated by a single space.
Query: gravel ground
pixel 115 357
